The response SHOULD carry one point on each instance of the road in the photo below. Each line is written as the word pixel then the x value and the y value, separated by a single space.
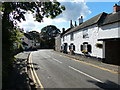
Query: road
pixel 56 71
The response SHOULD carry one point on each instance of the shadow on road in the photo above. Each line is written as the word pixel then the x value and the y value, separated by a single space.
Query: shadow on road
pixel 17 78
pixel 108 85
pixel 34 64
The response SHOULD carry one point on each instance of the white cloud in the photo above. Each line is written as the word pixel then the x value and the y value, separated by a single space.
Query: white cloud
pixel 74 9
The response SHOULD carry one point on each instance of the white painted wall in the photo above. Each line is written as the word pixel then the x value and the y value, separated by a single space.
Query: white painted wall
pixel 109 31
pixel 94 33
pixel 78 40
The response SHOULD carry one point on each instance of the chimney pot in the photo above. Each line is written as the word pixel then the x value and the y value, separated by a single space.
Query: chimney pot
pixel 71 25
pixel 81 20
pixel 116 8
pixel 63 30
pixel 75 23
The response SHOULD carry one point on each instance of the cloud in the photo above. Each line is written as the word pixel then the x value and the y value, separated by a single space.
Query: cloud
pixel 74 9
pixel 30 23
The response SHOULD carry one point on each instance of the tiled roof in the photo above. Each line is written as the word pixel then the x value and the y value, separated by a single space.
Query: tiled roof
pixel 65 31
pixel 100 19
pixel 87 23
pixel 111 18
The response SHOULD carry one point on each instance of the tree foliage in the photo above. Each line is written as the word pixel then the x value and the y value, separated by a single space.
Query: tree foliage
pixel 35 36
pixel 40 9
pixel 47 36
pixel 15 11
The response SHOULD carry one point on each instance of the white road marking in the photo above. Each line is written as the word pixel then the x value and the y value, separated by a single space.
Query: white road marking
pixel 57 60
pixel 86 74
pixel 48 56
pixel 54 59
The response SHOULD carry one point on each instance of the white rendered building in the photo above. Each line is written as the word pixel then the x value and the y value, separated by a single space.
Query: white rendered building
pixel 97 37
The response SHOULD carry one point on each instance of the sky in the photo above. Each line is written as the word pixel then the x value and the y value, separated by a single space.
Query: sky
pixel 74 9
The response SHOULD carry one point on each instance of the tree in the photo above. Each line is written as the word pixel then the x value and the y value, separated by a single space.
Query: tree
pixel 15 11
pixel 48 35
pixel 35 36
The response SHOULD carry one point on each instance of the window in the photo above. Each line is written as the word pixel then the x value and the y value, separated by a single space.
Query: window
pixel 86 47
pixel 72 47
pixel 89 48
pixel 72 36
pixel 65 46
pixel 85 34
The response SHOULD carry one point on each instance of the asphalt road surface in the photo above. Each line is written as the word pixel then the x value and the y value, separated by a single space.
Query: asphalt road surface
pixel 57 71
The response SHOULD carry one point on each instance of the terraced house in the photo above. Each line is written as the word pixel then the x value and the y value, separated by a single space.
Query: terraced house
pixel 98 37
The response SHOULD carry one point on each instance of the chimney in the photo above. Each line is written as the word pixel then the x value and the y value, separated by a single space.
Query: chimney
pixel 75 24
pixel 71 25
pixel 116 8
pixel 81 20
pixel 63 30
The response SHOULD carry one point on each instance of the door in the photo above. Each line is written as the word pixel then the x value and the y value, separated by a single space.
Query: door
pixel 112 52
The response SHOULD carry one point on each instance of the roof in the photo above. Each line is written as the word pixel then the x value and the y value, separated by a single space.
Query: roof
pixel 87 23
pixel 66 31
pixel 100 19
pixel 111 18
